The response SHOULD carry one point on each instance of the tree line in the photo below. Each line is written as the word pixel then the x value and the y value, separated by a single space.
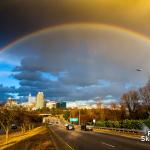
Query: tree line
pixel 137 102
pixel 133 111
pixel 22 119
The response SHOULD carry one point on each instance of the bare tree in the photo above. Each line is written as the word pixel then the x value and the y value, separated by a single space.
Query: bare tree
pixel 145 97
pixel 6 120
pixel 24 119
pixel 131 101
pixel 113 106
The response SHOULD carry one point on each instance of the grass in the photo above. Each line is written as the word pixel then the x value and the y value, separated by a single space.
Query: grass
pixel 36 139
pixel 125 134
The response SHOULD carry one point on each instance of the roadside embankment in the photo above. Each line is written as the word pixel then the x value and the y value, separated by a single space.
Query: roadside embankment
pixel 37 138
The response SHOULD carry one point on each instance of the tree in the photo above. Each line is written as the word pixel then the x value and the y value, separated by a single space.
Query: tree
pixel 25 120
pixel 131 101
pixel 113 110
pixel 113 106
pixel 145 97
pixel 122 111
pixel 6 120
pixel 66 115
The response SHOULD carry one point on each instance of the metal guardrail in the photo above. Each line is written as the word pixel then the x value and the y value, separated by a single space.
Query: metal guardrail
pixel 121 130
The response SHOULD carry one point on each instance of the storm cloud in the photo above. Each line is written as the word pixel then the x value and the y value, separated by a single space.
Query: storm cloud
pixel 5 92
pixel 22 17
pixel 79 62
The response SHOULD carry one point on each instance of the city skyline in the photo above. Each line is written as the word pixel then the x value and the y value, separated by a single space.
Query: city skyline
pixel 76 56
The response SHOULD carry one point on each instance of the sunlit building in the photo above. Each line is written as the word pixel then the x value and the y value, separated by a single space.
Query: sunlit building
pixel 51 104
pixel 31 99
pixel 11 103
pixel 40 102
pixel 28 106
pixel 86 104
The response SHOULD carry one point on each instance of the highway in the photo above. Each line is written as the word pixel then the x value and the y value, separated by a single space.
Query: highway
pixel 86 140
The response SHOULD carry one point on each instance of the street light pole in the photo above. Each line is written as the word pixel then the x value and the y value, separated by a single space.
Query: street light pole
pixel 79 116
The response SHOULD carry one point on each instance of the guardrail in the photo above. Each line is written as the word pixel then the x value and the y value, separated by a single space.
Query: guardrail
pixel 120 130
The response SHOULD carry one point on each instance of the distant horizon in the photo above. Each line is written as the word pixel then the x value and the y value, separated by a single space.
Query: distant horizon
pixel 25 99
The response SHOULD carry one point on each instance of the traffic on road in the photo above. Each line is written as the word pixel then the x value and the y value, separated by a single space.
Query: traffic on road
pixel 81 138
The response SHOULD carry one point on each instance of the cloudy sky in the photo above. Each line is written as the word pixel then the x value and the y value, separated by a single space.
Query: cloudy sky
pixel 73 49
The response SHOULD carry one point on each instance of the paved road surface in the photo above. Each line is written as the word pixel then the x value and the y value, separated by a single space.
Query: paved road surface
pixel 86 140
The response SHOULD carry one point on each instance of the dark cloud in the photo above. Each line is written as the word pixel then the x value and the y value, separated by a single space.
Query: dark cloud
pixel 28 75
pixel 19 18
pixel 78 56
pixel 4 89
pixel 86 62
pixel 6 92
pixel 34 63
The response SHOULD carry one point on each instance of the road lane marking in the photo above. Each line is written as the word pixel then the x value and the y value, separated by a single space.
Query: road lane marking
pixel 69 146
pixel 61 139
pixel 108 144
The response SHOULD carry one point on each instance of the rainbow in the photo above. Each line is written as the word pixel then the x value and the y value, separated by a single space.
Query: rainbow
pixel 80 26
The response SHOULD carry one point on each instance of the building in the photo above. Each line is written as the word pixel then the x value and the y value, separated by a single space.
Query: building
pixel 28 106
pixel 31 99
pixel 11 103
pixel 61 105
pixel 51 104
pixel 40 102
pixel 82 104
pixel 55 104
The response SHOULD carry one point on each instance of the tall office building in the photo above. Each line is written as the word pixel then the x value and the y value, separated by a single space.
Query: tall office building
pixel 31 99
pixel 40 102
pixel 61 105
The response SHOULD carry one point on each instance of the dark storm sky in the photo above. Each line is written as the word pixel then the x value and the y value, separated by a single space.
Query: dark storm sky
pixel 21 17
pixel 90 47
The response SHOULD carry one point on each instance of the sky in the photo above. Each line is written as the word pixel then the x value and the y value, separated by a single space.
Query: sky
pixel 73 50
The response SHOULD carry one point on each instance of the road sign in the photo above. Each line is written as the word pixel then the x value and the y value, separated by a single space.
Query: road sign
pixel 73 119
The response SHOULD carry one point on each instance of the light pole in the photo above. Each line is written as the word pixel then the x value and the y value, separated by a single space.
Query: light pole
pixel 79 116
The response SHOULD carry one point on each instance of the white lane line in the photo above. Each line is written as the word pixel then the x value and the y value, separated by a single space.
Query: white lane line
pixel 69 146
pixel 60 138
pixel 108 144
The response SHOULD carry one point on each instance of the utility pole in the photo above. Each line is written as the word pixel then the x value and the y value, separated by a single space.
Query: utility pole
pixel 79 116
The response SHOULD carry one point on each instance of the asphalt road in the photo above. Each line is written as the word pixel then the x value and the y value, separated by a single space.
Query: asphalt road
pixel 86 140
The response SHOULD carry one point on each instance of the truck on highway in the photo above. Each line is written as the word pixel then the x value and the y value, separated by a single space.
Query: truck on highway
pixel 87 126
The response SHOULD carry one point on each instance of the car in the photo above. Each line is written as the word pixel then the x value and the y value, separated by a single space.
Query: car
pixel 83 127
pixel 86 126
pixel 89 126
pixel 50 123
pixel 13 126
pixel 69 127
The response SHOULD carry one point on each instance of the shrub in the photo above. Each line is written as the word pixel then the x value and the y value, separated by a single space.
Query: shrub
pixel 147 123
pixel 109 124
pixel 116 124
pixel 127 124
pixel 100 123
pixel 136 124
